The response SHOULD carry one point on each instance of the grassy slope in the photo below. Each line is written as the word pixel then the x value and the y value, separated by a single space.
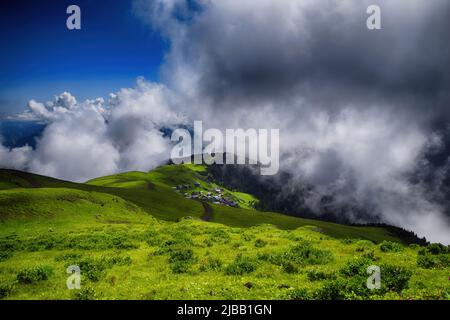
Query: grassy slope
pixel 153 192
pixel 30 211
pixel 44 221
pixel 150 275
pixel 166 177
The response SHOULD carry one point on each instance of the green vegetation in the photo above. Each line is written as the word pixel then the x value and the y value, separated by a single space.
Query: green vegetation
pixel 34 274
pixel 241 265
pixel 434 256
pixel 135 237
pixel 389 246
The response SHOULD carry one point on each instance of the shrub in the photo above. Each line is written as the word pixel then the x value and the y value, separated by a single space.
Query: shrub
pixel 289 267
pixel 389 246
pixel 34 274
pixel 209 243
pixel 370 255
pixel 5 255
pixel 236 245
pixel 298 294
pixel 264 256
pixel 446 294
pixel 426 261
pixel 347 241
pixel 181 255
pixel 259 243
pixel 180 267
pixel 276 258
pixel 362 245
pixel 174 244
pixel 220 236
pixel 241 265
pixel 92 269
pixel 181 259
pixel 119 241
pixel 211 264
pixel 5 290
pixel 117 260
pixel 355 267
pixel 331 290
pixel 339 289
pixel 246 236
pixel 152 237
pixel 300 254
pixel 315 275
pixel 9 243
pixel 86 293
pixel 356 287
pixel 429 261
pixel 394 278
pixel 306 254
pixel 434 249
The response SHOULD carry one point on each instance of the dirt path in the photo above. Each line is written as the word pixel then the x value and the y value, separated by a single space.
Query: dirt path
pixel 208 211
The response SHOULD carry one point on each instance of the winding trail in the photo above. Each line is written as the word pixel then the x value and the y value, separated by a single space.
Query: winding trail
pixel 208 211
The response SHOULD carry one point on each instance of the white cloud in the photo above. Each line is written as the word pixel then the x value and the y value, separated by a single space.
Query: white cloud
pixel 351 111
pixel 16 158
pixel 84 140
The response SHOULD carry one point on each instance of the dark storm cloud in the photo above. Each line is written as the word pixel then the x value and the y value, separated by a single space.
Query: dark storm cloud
pixel 268 51
pixel 357 109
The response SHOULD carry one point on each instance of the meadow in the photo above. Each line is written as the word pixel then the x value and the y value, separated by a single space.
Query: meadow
pixel 135 237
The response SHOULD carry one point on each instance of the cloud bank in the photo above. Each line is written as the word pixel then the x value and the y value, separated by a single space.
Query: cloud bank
pixel 88 139
pixel 359 111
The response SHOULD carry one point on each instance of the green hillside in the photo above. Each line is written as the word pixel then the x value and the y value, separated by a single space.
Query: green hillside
pixel 135 236
pixel 163 179
pixel 153 192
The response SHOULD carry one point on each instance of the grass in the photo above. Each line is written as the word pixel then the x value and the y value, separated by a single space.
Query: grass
pixel 153 193
pixel 180 263
pixel 135 237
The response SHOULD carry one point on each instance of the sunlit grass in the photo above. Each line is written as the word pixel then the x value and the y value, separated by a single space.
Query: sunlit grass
pixel 132 217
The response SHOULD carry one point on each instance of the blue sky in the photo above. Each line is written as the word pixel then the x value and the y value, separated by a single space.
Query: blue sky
pixel 40 57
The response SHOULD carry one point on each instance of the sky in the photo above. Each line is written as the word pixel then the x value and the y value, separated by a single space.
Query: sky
pixel 363 114
pixel 40 57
